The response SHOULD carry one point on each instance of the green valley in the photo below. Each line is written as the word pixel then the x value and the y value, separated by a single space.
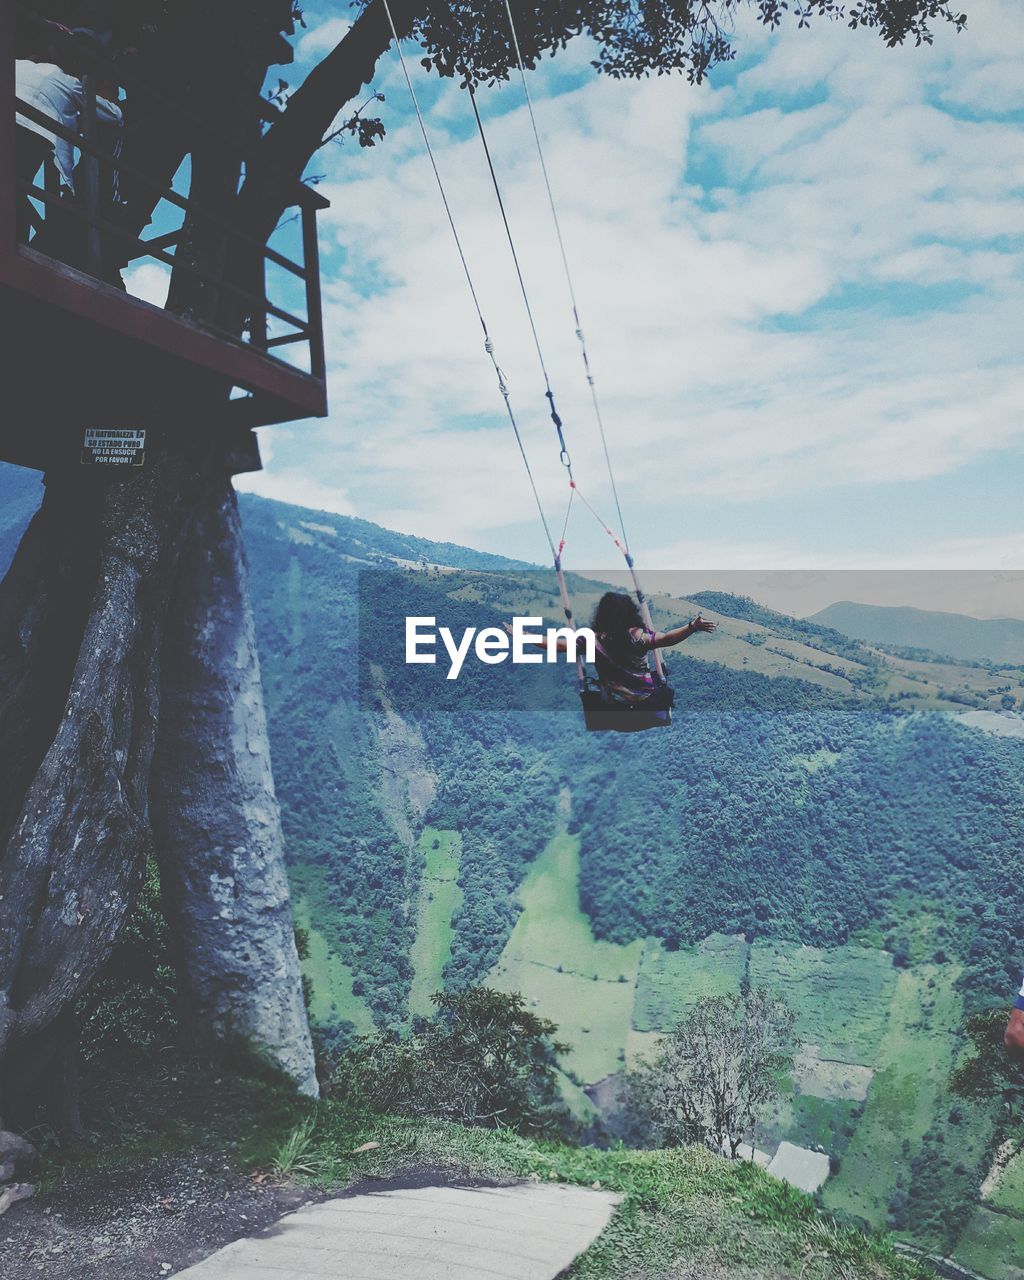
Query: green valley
pixel 829 819
pixel 584 985
pixel 811 823
pixel 439 899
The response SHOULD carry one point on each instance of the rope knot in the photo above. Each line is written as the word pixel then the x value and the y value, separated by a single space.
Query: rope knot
pixel 550 396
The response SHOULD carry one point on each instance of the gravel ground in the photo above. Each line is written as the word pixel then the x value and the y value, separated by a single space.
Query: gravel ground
pixel 161 1180
pixel 152 1219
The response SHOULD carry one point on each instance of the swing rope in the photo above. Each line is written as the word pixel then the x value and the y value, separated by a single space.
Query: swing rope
pixel 503 386
pixel 591 382
pixel 564 458
pixel 622 545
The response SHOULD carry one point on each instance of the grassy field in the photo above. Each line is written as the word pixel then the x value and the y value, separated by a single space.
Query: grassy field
pixel 877 1042
pixel 333 997
pixel 684 1213
pixel 840 996
pixel 807 1121
pixel 439 898
pixel 1009 1194
pixel 993 1245
pixel 670 982
pixel 994 1240
pixel 913 1064
pixel 552 957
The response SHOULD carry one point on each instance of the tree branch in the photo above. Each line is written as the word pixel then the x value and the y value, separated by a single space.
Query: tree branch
pixel 293 140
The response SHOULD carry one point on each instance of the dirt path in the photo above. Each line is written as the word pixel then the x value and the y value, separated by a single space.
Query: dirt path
pixel 156 1217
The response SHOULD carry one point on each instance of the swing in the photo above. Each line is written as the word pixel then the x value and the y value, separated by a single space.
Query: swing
pixel 601 711
pixel 602 714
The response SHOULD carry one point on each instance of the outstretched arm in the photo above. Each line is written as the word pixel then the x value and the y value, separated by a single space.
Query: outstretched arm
pixel 665 639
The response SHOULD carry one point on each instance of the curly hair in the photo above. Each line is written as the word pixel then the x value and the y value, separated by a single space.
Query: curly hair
pixel 615 614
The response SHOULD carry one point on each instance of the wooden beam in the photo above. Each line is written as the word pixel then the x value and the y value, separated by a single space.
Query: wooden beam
pixel 53 283
pixel 8 195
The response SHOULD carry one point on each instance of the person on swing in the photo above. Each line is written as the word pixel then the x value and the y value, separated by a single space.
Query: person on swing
pixel 623 643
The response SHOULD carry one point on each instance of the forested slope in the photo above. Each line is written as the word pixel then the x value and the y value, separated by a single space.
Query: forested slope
pixel 775 806
pixel 817 818
pixel 792 798
pixel 817 808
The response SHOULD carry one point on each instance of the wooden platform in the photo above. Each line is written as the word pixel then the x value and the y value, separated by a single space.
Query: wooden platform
pixel 80 353
pixel 526 1232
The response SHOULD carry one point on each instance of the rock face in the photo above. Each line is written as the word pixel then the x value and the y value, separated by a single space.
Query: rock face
pixel 13 1193
pixel 216 820
pixel 18 1158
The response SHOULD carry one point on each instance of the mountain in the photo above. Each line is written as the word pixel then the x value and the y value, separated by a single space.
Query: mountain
pixel 21 492
pixel 999 640
pixel 817 820
pixel 812 822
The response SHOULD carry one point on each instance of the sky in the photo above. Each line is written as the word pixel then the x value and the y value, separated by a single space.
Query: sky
pixel 800 285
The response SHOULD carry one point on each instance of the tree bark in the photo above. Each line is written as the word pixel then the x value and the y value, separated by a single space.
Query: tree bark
pixel 293 140
pixel 79 829
pixel 82 632
pixel 215 817
pixel 44 601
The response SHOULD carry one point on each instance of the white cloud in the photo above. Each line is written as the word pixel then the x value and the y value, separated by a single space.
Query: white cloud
pixel 840 305
pixel 148 281
pixel 297 487
pixel 322 38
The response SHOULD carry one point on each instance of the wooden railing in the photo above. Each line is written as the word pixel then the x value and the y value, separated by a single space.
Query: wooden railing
pixel 100 168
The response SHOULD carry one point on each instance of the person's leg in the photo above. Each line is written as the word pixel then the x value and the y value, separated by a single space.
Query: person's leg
pixel 31 150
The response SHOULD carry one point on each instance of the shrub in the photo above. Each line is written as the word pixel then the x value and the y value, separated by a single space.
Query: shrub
pixel 128 1014
pixel 482 1059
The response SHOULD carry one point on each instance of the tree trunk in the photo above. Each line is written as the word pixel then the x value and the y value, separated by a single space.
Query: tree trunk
pixel 215 817
pixel 79 676
pixel 82 619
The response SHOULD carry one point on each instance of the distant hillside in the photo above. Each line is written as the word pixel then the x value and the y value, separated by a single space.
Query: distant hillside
pixel 805 630
pixel 856 862
pixel 21 492
pixel 362 543
pixel 358 541
pixel 954 634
